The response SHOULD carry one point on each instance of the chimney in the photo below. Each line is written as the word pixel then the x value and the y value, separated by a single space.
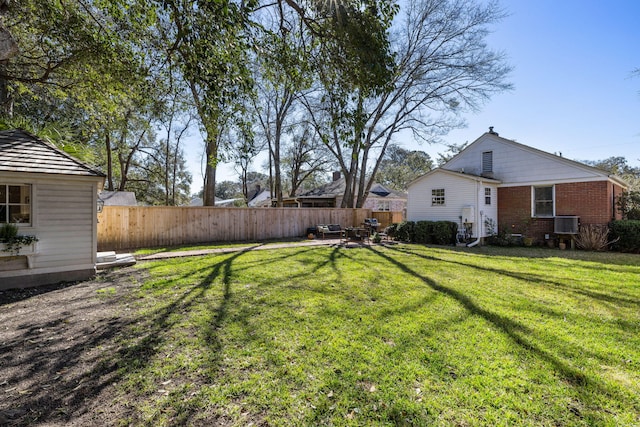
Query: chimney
pixel 336 176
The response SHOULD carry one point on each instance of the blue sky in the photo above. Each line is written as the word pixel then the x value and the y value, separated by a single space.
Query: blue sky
pixel 574 91
pixel 573 86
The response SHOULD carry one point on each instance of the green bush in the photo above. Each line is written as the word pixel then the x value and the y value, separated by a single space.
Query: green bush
pixel 628 234
pixel 422 232
pixel 444 232
pixel 405 231
pixel 427 232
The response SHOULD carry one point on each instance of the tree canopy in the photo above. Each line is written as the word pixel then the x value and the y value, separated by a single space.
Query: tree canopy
pixel 316 84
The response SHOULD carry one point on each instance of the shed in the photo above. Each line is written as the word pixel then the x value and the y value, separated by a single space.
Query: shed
pixel 52 196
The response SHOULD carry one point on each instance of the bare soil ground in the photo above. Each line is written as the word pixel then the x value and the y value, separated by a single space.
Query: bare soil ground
pixel 58 351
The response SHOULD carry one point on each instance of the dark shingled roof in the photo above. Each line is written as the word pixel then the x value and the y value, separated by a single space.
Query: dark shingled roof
pixel 21 151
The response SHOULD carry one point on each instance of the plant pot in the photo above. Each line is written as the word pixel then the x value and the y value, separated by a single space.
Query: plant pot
pixel 562 245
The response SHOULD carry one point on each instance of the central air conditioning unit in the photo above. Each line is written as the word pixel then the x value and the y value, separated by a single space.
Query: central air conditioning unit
pixel 566 224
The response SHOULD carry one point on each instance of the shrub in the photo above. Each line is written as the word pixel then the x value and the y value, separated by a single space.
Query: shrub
pixel 444 232
pixel 422 232
pixel 593 237
pixel 405 231
pixel 627 234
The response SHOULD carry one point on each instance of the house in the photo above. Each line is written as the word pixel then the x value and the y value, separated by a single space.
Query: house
pixel 53 196
pixel 118 198
pixel 379 198
pixel 499 184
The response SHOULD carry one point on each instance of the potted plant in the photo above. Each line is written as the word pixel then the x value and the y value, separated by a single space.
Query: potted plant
pixel 11 241
pixel 527 221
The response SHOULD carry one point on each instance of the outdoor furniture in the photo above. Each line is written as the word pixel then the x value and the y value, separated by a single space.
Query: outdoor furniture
pixel 371 224
pixel 356 234
pixel 323 229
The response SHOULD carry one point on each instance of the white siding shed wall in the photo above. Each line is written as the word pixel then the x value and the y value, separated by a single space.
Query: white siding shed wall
pixel 65 219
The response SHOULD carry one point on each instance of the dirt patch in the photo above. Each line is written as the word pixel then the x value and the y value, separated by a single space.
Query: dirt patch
pixel 57 351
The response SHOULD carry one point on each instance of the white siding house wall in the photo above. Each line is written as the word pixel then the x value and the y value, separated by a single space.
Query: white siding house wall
pixel 512 163
pixel 460 192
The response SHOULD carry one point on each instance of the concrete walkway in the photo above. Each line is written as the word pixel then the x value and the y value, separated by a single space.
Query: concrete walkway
pixel 254 247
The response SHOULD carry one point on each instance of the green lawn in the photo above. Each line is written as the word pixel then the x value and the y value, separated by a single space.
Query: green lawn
pixel 401 335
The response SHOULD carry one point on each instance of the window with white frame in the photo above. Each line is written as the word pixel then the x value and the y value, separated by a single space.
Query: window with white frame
pixel 384 205
pixel 437 197
pixel 543 201
pixel 15 203
pixel 487 195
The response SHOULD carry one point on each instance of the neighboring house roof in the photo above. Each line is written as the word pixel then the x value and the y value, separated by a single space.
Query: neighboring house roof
pixel 337 187
pixel 119 198
pixel 197 201
pixel 263 198
pixel 331 189
pixel 453 163
pixel 21 151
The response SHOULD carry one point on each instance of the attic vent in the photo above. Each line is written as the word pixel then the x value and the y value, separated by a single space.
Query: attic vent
pixel 487 163
pixel 566 224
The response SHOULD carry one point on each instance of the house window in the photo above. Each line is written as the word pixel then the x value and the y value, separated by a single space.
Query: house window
pixel 487 196
pixel 543 201
pixel 15 203
pixel 437 197
pixel 487 162
pixel 384 205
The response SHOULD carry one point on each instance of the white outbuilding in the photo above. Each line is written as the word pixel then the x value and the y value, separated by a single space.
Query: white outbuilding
pixel 48 194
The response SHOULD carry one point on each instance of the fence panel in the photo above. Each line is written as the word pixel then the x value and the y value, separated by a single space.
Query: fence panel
pixel 130 227
pixel 387 218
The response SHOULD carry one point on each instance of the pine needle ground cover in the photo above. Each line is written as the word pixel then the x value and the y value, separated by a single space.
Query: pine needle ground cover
pixel 399 335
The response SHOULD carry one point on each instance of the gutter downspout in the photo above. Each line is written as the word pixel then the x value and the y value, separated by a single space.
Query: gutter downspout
pixel 479 228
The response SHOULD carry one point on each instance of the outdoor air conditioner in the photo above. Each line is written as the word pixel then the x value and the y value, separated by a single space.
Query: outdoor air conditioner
pixel 566 224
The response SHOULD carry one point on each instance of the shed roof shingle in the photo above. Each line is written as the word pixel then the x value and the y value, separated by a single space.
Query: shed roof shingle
pixel 21 151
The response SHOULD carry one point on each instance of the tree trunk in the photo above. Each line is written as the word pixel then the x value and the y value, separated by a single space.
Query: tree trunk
pixel 209 193
pixel 107 143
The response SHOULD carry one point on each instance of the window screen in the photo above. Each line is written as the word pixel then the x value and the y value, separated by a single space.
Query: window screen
pixel 543 201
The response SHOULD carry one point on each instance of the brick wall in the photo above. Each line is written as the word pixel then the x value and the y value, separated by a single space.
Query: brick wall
pixel 591 201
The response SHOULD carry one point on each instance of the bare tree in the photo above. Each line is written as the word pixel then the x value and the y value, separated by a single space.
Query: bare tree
pixel 442 67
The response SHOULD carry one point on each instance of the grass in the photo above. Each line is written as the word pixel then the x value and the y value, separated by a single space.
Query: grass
pixel 402 335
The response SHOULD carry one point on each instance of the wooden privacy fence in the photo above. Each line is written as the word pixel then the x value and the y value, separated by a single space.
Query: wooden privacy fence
pixel 387 218
pixel 131 227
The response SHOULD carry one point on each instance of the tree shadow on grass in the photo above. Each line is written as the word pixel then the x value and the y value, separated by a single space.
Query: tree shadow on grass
pixel 58 366
pixel 543 279
pixel 518 333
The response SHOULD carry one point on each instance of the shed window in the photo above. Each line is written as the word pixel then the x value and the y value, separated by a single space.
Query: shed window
pixel 487 195
pixel 437 197
pixel 487 162
pixel 15 203
pixel 543 201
